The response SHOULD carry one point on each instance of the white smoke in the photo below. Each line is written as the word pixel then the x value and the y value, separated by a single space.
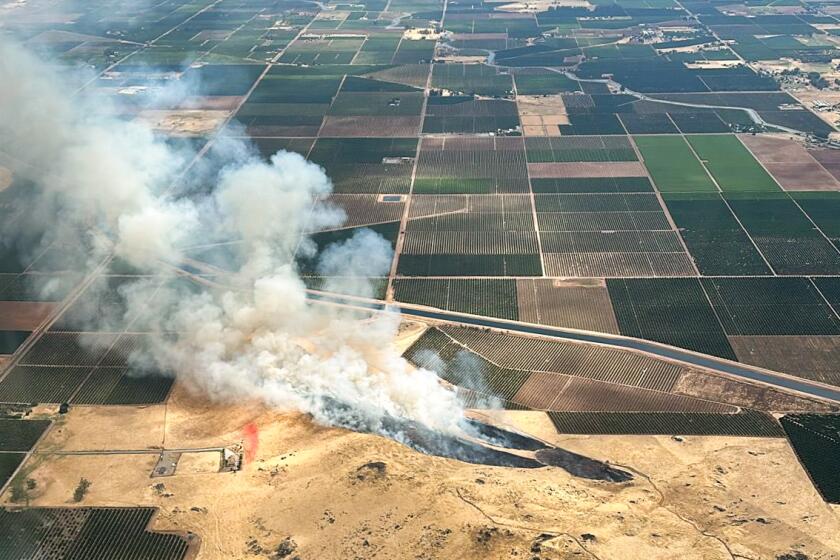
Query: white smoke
pixel 106 184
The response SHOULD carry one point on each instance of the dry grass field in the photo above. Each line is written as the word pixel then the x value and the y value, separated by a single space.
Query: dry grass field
pixel 339 494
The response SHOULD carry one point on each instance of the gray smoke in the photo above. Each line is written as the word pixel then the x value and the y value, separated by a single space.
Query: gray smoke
pixel 103 185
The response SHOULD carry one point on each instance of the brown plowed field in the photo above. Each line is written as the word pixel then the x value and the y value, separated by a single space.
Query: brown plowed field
pixel 830 159
pixel 586 169
pixel 577 304
pixel 790 163
pixel 802 176
pixel 23 315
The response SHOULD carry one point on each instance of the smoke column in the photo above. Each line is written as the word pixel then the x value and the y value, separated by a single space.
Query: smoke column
pixel 104 186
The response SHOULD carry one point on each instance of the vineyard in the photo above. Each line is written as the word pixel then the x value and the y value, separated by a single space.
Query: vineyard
pixel 465 114
pixel 474 166
pixel 473 79
pixel 674 311
pixel 457 365
pixel 610 265
pixel 55 384
pixel 571 304
pixel 366 209
pixel 357 165
pixel 553 392
pixel 713 235
pixel 20 435
pixel 770 306
pixel 744 424
pixel 86 534
pixel 816 440
pixel 579 148
pixel 495 298
pixel 591 185
pixel 469 265
pixel 578 360
pixel 540 374
pixel 17 437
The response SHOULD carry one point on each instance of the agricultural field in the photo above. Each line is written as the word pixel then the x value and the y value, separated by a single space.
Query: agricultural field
pixel 17 438
pixel 656 397
pixel 814 437
pixel 747 423
pixel 673 165
pixel 86 533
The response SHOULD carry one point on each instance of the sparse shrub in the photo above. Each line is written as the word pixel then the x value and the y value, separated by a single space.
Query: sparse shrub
pixel 81 490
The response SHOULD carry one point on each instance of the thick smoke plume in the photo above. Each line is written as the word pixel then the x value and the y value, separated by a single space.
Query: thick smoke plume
pixel 102 185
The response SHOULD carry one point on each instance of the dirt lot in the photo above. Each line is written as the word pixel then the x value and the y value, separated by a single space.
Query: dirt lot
pixel 188 122
pixel 339 494
pixel 541 115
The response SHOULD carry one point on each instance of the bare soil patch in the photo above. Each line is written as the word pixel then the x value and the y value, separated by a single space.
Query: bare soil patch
pixel 184 122
pixel 790 163
pixel 587 169
pixel 737 393
pixel 805 176
pixel 23 315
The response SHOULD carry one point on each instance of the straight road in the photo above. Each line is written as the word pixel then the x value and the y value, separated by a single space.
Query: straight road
pixel 719 365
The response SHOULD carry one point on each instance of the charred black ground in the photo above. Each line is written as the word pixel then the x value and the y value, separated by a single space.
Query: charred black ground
pixel 431 442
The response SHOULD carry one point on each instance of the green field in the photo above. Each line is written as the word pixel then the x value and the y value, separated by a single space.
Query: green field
pixel 672 165
pixel 731 164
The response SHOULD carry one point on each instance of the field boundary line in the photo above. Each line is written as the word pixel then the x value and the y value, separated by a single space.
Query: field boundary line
pixel 531 196
pixel 146 45
pixel 721 193
pixel 825 299
pixel 662 206
pixel 395 261
pixel 791 198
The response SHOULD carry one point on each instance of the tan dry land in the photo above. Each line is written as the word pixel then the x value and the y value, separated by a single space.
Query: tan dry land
pixel 541 115
pixel 186 122
pixel 6 177
pixel 340 494
pixel 809 95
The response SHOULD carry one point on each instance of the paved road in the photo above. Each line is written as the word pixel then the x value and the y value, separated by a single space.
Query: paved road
pixel 719 365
